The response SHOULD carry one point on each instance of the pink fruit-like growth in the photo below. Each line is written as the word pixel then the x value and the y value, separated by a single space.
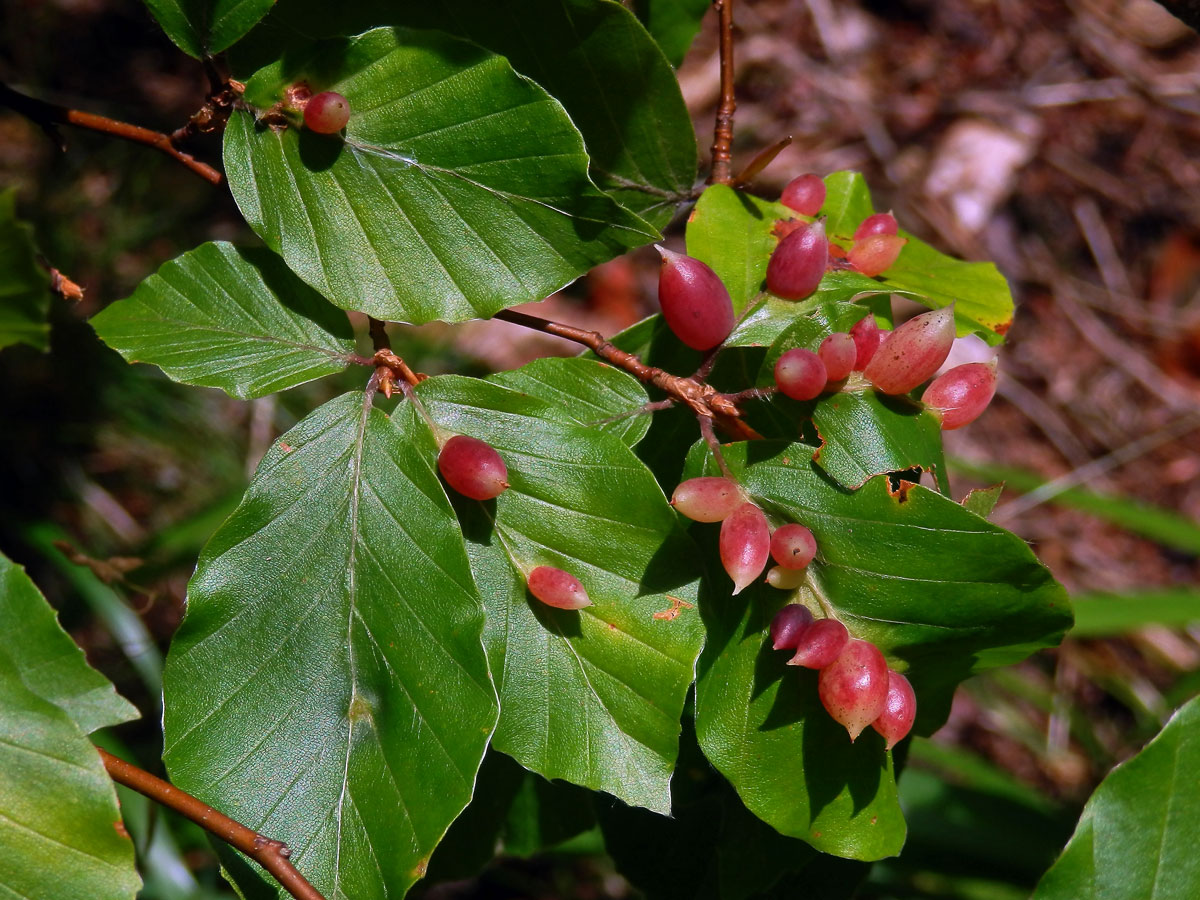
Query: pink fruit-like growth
pixel 473 467
pixel 800 374
pixel 805 194
pixel 798 263
pixel 788 625
pixel 877 223
pixel 853 688
pixel 899 710
pixel 867 337
pixel 822 642
pixel 958 397
pixel 745 543
pixel 838 352
pixel 554 587
pixel 793 546
pixel 912 353
pixel 785 579
pixel 695 302
pixel 875 254
pixel 708 499
pixel 326 112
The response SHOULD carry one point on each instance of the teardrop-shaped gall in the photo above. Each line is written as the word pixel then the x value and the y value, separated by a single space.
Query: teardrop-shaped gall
pixel 853 688
pixel 867 338
pixel 473 467
pixel 876 253
pixel 805 194
pixel 326 112
pixel 745 544
pixel 798 263
pixel 695 302
pixel 876 223
pixel 793 546
pixel 838 352
pixel 800 374
pixel 913 352
pixel 787 626
pixel 899 710
pixel 822 643
pixel 554 587
pixel 707 499
pixel 785 579
pixel 959 397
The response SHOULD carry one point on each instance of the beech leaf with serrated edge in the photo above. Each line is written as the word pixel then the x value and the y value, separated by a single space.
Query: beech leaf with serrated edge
pixel 591 696
pixel 230 318
pixel 328 686
pixel 459 188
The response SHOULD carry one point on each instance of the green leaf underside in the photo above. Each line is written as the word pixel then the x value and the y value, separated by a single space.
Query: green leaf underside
pixel 591 696
pixel 941 591
pixel 48 661
pixel 584 392
pixel 592 55
pixel 732 232
pixel 208 26
pixel 24 286
pixel 1136 838
pixel 328 685
pixel 459 189
pixel 229 318
pixel 58 809
pixel 674 24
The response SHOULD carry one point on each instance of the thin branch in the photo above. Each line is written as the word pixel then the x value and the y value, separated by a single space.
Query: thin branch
pixel 270 854
pixel 722 148
pixel 387 364
pixel 714 446
pixel 48 115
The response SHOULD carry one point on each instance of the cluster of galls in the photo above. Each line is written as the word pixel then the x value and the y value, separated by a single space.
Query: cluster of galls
pixel 854 683
pixel 474 469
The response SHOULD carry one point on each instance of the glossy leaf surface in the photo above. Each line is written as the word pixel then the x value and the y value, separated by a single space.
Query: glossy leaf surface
pixel 24 287
pixel 202 27
pixel 943 593
pixel 230 318
pixel 49 663
pixel 593 56
pixel 460 188
pixel 1136 839
pixel 591 696
pixel 58 810
pixel 585 392
pixel 328 685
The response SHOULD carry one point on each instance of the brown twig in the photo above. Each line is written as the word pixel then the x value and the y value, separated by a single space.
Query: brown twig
pixel 215 111
pixel 722 152
pixel 703 399
pixel 48 115
pixel 387 364
pixel 272 855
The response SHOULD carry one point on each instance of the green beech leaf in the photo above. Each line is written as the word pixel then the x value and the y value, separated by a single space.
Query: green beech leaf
pixel 674 24
pixel 591 696
pixel 230 318
pixel 593 56
pixel 941 591
pixel 1136 839
pixel 586 392
pixel 768 317
pixel 203 27
pixel 49 662
pixel 59 837
pixel 459 187
pixel 982 501
pixel 24 285
pixel 328 685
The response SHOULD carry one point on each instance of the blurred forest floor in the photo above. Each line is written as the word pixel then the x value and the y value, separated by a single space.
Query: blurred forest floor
pixel 1060 139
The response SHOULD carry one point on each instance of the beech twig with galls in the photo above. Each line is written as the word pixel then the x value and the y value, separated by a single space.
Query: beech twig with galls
pixel 272 855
